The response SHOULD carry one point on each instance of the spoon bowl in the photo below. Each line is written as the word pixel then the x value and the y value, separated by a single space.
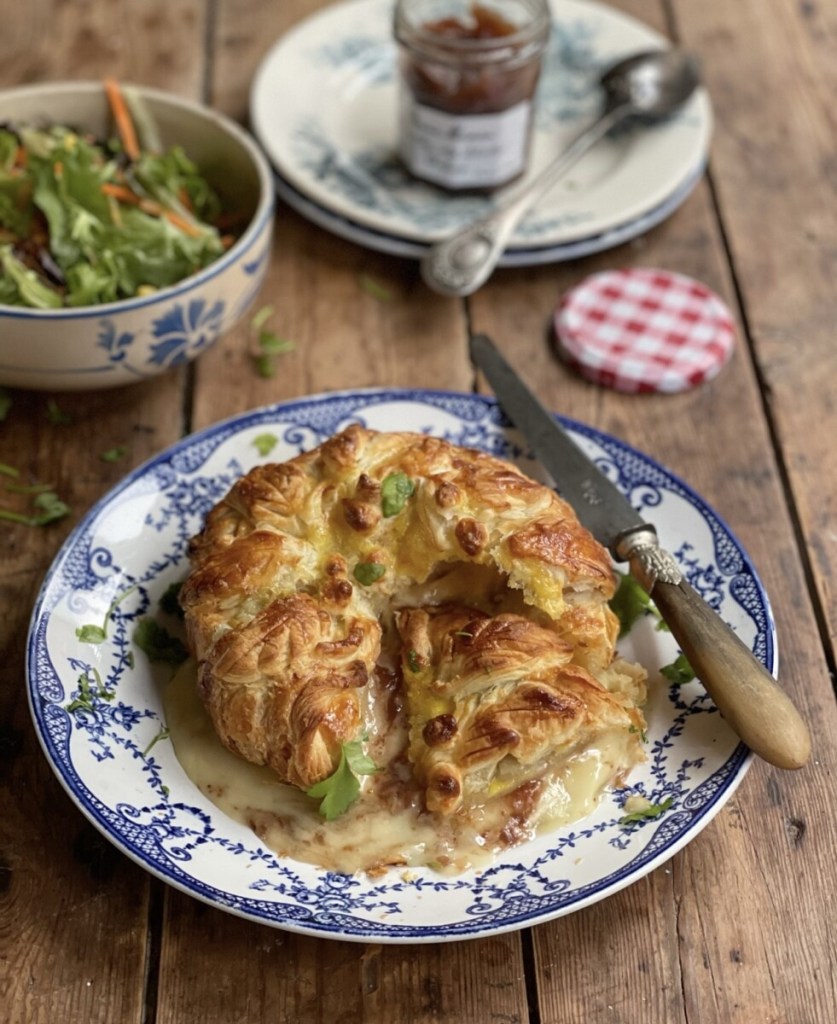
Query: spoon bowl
pixel 643 88
pixel 654 84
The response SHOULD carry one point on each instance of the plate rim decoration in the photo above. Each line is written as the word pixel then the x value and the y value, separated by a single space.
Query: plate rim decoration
pixel 367 187
pixel 147 807
pixel 381 241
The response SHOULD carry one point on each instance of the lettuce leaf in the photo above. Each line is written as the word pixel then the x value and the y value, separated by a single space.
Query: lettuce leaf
pixel 106 249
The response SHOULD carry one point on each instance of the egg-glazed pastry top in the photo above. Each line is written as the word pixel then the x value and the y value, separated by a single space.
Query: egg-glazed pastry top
pixel 479 581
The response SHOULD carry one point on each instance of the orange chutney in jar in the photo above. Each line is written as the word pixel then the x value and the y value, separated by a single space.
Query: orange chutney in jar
pixel 468 78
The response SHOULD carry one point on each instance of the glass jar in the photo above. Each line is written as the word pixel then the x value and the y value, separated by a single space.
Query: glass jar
pixel 468 77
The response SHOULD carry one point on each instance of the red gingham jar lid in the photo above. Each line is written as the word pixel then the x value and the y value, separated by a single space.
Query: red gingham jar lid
pixel 644 330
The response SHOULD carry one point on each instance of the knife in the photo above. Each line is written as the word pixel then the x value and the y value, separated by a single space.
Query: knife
pixel 746 694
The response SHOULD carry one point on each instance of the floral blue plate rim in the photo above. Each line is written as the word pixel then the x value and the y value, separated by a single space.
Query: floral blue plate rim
pixel 101 737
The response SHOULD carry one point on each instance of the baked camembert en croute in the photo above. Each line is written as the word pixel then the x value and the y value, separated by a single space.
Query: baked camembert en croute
pixel 429 608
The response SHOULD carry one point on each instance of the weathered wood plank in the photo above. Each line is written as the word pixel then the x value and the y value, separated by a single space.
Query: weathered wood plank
pixel 771 70
pixel 153 43
pixel 737 927
pixel 287 978
pixel 74 910
pixel 73 942
pixel 355 318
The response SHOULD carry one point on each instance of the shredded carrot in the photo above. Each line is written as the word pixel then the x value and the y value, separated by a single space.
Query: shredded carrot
pixel 182 223
pixel 121 192
pixel 20 157
pixel 185 201
pixel 227 241
pixel 124 124
pixel 155 209
pixel 58 169
pixel 150 206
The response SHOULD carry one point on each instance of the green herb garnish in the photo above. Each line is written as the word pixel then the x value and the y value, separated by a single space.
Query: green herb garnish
pixel 158 644
pixel 163 734
pixel 272 345
pixel 371 286
pixel 341 789
pixel 265 443
pixel 368 572
pixel 91 634
pixel 679 671
pixel 56 415
pixel 413 661
pixel 260 317
pixel 114 454
pixel 94 634
pixel 630 602
pixel 88 693
pixel 395 490
pixel 28 488
pixel 48 508
pixel 647 813
pixel 169 602
pixel 267 344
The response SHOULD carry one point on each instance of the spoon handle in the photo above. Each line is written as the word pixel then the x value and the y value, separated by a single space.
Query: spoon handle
pixel 459 264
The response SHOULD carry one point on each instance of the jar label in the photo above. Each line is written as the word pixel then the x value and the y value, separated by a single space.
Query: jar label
pixel 465 150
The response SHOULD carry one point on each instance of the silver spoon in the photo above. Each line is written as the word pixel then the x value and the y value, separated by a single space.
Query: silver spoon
pixel 647 86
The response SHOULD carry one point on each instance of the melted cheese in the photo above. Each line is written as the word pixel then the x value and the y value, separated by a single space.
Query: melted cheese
pixel 386 825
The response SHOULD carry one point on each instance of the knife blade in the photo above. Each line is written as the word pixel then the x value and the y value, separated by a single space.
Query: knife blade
pixel 755 706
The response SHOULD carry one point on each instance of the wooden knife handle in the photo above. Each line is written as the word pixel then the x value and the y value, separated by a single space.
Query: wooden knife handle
pixel 748 697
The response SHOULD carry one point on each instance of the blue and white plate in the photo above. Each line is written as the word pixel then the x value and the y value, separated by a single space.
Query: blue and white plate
pixel 395 246
pixel 324 107
pixel 97 708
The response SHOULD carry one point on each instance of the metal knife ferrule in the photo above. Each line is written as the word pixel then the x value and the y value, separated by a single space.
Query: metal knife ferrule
pixel 649 562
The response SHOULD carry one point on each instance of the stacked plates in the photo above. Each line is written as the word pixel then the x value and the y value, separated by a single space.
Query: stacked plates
pixel 324 107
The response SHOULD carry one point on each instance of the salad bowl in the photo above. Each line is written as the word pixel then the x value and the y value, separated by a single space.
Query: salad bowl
pixel 79 345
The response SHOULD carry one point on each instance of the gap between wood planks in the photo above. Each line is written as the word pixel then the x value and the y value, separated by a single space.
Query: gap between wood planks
pixel 785 482
pixel 153 950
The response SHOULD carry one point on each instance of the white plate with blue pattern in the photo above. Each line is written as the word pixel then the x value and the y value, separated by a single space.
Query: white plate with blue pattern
pixel 97 708
pixel 324 107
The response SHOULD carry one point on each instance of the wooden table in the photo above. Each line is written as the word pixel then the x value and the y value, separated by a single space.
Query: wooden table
pixel 738 928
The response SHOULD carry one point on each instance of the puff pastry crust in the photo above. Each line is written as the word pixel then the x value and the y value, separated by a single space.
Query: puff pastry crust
pixel 484 587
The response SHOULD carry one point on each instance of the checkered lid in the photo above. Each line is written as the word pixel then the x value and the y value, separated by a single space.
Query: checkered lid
pixel 644 330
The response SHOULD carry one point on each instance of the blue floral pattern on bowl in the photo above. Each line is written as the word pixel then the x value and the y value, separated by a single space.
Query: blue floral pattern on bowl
pixel 157 329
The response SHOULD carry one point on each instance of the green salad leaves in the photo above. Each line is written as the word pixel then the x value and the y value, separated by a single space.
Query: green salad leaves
pixel 85 221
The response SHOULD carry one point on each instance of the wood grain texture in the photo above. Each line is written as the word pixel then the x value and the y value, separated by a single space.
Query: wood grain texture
pixel 289 978
pixel 737 927
pixel 355 319
pixel 774 170
pixel 73 910
pixel 149 42
pixel 73 937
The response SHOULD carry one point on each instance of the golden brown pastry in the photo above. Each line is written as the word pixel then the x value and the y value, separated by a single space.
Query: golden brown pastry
pixel 478 580
pixel 497 701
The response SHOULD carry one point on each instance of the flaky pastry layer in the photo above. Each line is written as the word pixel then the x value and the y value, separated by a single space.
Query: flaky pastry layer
pixel 489 595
